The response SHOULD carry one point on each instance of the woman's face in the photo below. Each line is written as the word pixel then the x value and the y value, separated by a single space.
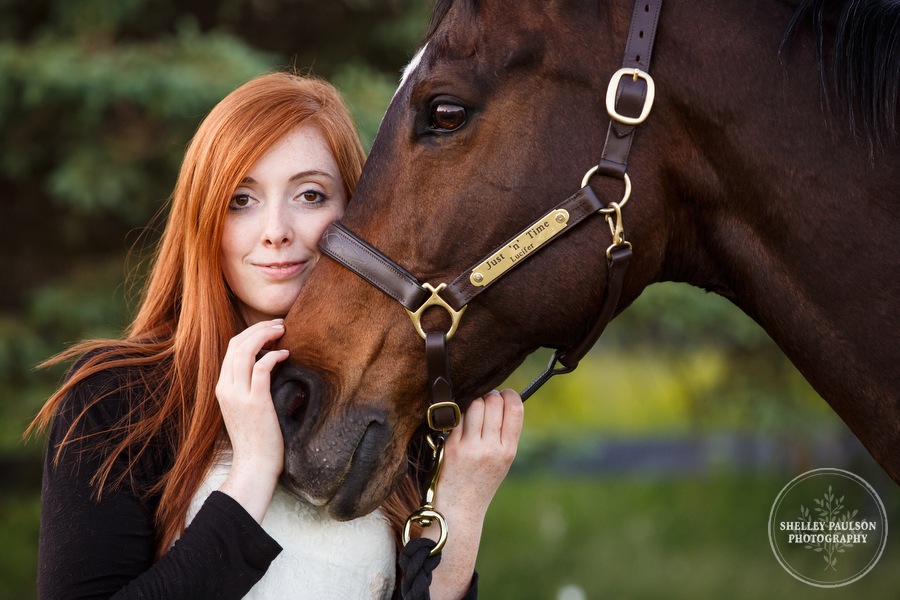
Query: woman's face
pixel 274 222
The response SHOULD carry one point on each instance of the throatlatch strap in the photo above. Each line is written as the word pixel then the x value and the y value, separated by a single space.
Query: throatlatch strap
pixel 620 258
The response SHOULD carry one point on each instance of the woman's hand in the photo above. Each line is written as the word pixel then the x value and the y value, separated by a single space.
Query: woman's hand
pixel 250 419
pixel 477 456
pixel 479 452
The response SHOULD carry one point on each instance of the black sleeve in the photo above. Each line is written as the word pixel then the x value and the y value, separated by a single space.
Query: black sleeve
pixel 104 548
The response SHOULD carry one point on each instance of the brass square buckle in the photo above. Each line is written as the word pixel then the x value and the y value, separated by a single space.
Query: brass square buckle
pixel 437 422
pixel 613 89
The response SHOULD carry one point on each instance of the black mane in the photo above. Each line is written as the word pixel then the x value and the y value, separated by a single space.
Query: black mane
pixel 858 45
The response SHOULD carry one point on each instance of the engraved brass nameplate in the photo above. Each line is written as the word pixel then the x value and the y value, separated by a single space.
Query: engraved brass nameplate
pixel 537 234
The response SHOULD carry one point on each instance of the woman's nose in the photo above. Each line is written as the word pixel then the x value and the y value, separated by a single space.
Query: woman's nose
pixel 277 230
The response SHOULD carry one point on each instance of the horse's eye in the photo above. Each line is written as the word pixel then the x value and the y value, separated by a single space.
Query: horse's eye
pixel 447 117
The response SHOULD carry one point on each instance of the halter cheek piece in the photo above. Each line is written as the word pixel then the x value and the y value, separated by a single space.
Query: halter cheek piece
pixel 629 99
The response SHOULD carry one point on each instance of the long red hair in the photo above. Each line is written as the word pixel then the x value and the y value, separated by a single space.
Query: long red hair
pixel 186 315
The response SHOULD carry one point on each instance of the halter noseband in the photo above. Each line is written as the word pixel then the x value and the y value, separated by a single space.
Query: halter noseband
pixel 631 91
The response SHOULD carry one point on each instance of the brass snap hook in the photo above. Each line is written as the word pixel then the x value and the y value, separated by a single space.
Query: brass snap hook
pixel 616 228
pixel 426 515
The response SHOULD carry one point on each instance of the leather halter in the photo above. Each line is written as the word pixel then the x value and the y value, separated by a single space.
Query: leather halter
pixel 628 102
pixel 629 99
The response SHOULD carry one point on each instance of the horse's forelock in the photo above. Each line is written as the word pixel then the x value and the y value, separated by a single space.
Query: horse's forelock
pixel 862 70
pixel 441 8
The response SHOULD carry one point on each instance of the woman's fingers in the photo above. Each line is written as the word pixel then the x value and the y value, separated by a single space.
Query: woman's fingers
pixel 262 371
pixel 493 416
pixel 513 418
pixel 498 416
pixel 240 357
pixel 472 421
pixel 479 452
pixel 245 399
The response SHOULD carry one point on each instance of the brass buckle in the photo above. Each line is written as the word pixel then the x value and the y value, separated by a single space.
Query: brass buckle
pixel 435 300
pixel 456 415
pixel 613 89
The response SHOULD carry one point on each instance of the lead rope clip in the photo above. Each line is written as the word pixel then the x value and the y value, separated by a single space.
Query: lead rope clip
pixel 426 515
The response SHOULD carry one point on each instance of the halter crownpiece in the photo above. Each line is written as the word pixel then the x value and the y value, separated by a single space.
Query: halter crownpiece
pixel 631 91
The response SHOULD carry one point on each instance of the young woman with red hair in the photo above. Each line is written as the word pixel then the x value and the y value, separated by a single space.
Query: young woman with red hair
pixel 164 450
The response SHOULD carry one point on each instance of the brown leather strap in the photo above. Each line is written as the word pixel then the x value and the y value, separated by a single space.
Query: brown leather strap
pixel 639 46
pixel 373 266
pixel 438 365
pixel 443 414
pixel 631 93
pixel 357 255
pixel 579 205
pixel 620 257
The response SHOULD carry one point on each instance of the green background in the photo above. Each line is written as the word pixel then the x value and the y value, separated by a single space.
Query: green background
pixel 647 473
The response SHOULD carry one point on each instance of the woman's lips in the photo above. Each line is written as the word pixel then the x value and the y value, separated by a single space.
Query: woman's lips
pixel 282 270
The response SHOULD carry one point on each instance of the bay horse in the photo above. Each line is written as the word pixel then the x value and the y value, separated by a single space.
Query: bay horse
pixel 767 172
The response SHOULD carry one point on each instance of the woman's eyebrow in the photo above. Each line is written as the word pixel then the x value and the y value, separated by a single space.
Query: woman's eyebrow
pixel 300 175
pixel 311 172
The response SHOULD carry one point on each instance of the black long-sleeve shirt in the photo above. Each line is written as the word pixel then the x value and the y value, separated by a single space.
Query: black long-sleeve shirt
pixel 105 548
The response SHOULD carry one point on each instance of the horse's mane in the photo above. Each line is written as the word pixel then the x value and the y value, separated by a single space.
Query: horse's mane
pixel 858 47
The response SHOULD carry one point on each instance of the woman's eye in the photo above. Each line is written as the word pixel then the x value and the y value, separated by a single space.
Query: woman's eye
pixel 312 197
pixel 239 201
pixel 447 117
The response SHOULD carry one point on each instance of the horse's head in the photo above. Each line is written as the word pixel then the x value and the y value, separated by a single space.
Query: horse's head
pixel 497 119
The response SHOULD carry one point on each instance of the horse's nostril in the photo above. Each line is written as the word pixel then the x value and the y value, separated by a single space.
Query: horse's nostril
pixel 297 408
pixel 296 393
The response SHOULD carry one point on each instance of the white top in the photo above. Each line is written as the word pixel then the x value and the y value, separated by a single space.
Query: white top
pixel 322 558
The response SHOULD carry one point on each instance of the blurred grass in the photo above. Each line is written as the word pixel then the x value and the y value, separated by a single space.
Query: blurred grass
pixel 551 537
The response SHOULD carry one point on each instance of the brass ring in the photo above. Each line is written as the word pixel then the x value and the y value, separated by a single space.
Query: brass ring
pixel 588 175
pixel 625 196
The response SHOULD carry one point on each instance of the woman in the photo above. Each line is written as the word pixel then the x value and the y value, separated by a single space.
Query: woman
pixel 165 450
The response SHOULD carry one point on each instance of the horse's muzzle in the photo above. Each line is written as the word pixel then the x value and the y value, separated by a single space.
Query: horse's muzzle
pixel 334 456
